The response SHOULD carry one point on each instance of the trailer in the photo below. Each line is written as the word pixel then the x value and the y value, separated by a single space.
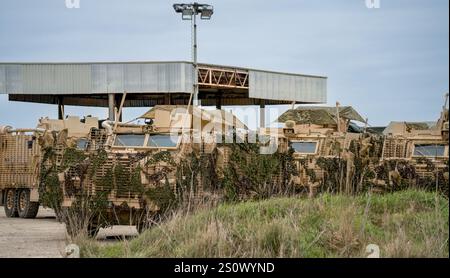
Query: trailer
pixel 21 156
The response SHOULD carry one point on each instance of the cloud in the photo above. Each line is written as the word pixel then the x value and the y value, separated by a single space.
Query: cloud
pixel 390 63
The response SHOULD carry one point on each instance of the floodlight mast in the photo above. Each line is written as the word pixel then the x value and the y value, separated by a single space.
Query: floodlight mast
pixel 190 12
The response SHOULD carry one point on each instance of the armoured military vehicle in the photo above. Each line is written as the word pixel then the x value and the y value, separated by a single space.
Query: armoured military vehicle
pixel 21 153
pixel 103 173
pixel 130 171
pixel 424 145
pixel 321 138
pixel 332 153
pixel 414 140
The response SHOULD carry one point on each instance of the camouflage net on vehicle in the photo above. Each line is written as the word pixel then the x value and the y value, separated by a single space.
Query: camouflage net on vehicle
pixel 67 174
pixel 50 189
pixel 196 177
pixel 250 174
pixel 359 169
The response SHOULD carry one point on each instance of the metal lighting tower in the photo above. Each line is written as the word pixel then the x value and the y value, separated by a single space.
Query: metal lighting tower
pixel 190 12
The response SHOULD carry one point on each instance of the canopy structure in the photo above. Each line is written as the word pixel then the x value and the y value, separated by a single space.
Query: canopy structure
pixel 320 115
pixel 151 83
pixel 147 84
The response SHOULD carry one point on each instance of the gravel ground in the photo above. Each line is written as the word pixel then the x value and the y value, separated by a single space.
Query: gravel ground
pixel 44 237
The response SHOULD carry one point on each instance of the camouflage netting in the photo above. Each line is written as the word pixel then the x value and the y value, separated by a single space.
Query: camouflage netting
pixel 319 115
pixel 417 125
pixel 350 172
pixel 250 174
pixel 359 169
pixel 91 178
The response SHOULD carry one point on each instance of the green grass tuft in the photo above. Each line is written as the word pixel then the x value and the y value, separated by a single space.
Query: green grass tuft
pixel 403 224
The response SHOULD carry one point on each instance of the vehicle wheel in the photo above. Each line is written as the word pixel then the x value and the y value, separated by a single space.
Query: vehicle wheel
pixel 25 207
pixel 11 203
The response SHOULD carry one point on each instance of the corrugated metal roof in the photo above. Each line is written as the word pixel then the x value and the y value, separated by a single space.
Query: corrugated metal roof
pixel 96 78
pixel 289 87
pixel 148 78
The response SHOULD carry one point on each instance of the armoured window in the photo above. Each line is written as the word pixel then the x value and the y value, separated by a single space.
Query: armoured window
pixel 304 147
pixel 81 144
pixel 162 140
pixel 432 150
pixel 131 140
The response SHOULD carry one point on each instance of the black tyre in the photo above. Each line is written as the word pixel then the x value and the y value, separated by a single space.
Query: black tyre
pixel 26 208
pixel 11 203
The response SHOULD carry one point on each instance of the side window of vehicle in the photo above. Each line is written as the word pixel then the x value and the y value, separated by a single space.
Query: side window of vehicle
pixel 429 150
pixel 130 140
pixel 82 144
pixel 304 147
pixel 162 140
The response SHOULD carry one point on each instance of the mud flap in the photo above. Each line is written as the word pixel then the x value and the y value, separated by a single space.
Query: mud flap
pixel 34 195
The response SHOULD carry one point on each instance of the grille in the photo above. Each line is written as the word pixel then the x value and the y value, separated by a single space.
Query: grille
pixel 97 139
pixel 394 148
pixel 18 160
pixel 115 176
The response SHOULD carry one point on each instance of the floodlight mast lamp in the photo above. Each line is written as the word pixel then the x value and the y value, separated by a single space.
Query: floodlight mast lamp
pixel 190 12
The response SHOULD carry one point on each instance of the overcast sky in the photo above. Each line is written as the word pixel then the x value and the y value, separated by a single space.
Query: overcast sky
pixel 390 63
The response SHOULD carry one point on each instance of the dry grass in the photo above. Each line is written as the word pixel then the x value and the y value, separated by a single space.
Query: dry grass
pixel 403 224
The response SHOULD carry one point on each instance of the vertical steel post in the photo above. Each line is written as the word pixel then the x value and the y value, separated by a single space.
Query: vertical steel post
pixel 60 108
pixel 111 105
pixel 262 114
pixel 194 50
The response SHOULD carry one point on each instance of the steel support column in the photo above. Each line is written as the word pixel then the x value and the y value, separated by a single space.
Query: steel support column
pixel 60 108
pixel 262 114
pixel 111 105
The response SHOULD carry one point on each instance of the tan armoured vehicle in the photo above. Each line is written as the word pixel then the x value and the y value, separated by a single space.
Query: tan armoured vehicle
pixel 128 172
pixel 423 145
pixel 323 136
pixel 346 158
pixel 20 161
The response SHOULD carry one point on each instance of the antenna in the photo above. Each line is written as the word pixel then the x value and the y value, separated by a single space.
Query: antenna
pixel 337 117
pixel 445 101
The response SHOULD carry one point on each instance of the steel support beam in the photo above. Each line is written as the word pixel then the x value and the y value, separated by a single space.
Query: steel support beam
pixel 222 78
pixel 262 114
pixel 219 103
pixel 117 99
pixel 60 108
pixel 111 105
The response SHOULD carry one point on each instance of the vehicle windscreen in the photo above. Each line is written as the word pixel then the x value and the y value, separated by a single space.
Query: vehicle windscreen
pixel 130 140
pixel 162 140
pixel 304 147
pixel 82 144
pixel 432 150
